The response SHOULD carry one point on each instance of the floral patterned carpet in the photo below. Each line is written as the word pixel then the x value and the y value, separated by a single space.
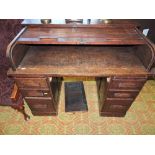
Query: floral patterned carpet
pixel 140 119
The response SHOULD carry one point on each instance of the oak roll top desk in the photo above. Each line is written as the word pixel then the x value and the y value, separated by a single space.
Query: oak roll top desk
pixel 117 54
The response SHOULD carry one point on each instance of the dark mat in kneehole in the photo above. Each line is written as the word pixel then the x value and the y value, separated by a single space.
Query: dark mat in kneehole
pixel 75 99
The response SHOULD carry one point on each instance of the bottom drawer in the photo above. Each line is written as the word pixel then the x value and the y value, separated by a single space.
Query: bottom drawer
pixel 119 101
pixel 115 108
pixel 116 105
pixel 113 114
pixel 40 113
pixel 40 105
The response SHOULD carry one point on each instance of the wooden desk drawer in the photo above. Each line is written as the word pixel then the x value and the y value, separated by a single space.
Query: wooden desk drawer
pixel 143 78
pixel 35 93
pixel 40 104
pixel 112 114
pixel 113 105
pixel 122 94
pixel 119 101
pixel 114 108
pixel 36 83
pixel 125 84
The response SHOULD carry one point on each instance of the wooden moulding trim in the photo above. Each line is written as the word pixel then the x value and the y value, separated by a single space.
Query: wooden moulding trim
pixel 30 75
pixel 98 22
pixel 81 26
pixel 11 46
pixel 15 93
pixel 49 80
pixel 52 41
pixel 152 48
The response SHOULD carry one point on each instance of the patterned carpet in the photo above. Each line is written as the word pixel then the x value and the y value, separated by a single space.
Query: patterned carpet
pixel 140 118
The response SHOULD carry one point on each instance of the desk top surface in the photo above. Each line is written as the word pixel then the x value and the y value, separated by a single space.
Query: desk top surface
pixel 80 61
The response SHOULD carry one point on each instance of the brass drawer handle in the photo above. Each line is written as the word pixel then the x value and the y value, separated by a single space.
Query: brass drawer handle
pixel 45 93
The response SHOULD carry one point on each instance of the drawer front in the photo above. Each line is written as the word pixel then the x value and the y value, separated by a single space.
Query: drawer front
pixel 32 83
pixel 116 105
pixel 112 114
pixel 143 78
pixel 35 93
pixel 122 94
pixel 42 113
pixel 114 108
pixel 125 84
pixel 40 104
pixel 119 101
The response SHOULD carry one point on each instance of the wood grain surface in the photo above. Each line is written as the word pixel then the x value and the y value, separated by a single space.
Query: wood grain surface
pixel 80 61
pixel 76 35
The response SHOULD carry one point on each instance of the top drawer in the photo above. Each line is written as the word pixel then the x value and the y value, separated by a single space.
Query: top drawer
pixel 36 83
pixel 127 83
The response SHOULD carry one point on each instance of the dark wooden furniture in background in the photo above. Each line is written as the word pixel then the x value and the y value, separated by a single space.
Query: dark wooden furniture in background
pixel 8 30
pixel 147 24
pixel 117 54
